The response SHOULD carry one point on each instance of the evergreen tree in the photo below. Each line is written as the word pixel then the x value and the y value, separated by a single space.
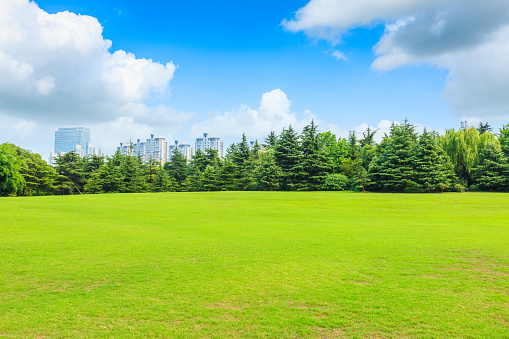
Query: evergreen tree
pixel 270 140
pixel 248 180
pixel 133 174
pixel 368 137
pixel 227 176
pixel 71 173
pixel 353 146
pixel 492 173
pixel 315 163
pixel 503 138
pixel 177 166
pixel 394 170
pixel 335 150
pixel 360 177
pixel 483 128
pixel 151 169
pixel 110 178
pixel 38 175
pixel 209 179
pixel 94 183
pixel 433 168
pixel 289 158
pixel 163 182
pixel 199 162
pixel 267 173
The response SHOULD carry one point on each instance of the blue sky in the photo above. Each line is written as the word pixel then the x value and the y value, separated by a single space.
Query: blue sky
pixel 234 62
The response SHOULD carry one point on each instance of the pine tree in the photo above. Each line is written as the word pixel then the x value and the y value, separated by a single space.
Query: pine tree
pixel 227 176
pixel 163 182
pixel 394 170
pixel 433 168
pixel 38 175
pixel 270 140
pixel 289 158
pixel 209 179
pixel 492 173
pixel 503 138
pixel 134 174
pixel 71 173
pixel 483 128
pixel 267 173
pixel 315 163
pixel 177 166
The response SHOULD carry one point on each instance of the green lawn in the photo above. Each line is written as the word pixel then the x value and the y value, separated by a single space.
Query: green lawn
pixel 255 265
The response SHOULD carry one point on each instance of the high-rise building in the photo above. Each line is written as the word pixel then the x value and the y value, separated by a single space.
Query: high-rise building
pixel 209 142
pixel 154 148
pixel 71 139
pixel 186 150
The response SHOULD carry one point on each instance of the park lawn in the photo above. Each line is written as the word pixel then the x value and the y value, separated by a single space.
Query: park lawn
pixel 255 265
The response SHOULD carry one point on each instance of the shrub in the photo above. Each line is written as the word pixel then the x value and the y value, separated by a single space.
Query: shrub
pixel 336 182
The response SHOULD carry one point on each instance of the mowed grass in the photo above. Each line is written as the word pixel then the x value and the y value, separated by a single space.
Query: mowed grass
pixel 255 265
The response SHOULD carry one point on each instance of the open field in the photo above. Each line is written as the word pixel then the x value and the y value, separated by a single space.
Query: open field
pixel 253 264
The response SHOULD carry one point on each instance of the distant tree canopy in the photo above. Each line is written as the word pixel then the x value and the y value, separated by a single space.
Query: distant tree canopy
pixel 404 161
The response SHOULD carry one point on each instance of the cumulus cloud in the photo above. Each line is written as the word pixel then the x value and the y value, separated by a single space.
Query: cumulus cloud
pixel 273 114
pixel 468 38
pixel 58 67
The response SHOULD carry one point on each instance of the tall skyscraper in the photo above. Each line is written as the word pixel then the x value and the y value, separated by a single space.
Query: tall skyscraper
pixel 209 142
pixel 72 139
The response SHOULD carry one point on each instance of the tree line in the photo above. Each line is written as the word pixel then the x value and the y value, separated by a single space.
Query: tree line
pixel 404 161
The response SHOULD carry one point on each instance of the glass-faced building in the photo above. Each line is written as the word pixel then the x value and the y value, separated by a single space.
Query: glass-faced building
pixel 72 139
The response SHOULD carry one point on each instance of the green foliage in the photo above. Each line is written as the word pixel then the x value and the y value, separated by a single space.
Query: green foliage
pixel 11 180
pixel 483 128
pixel 503 138
pixel 336 182
pixel 209 180
pixel 288 155
pixel 463 147
pixel 315 163
pixel 394 170
pixel 38 175
pixel 433 169
pixel 402 162
pixel 267 173
pixel 492 173
pixel 335 149
pixel 177 167
pixel 270 140
pixel 71 177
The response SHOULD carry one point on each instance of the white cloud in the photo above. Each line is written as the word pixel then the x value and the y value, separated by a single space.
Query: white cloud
pixel 338 55
pixel 469 38
pixel 273 114
pixel 58 68
pixel 329 19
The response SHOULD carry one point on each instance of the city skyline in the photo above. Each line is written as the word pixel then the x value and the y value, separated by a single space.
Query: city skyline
pixel 181 68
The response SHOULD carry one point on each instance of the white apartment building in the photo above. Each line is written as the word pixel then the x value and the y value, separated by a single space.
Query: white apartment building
pixel 154 148
pixel 209 142
pixel 185 149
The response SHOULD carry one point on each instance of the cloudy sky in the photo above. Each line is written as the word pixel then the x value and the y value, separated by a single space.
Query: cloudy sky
pixel 127 69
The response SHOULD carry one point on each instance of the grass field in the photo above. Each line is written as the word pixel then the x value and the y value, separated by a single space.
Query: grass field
pixel 249 265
